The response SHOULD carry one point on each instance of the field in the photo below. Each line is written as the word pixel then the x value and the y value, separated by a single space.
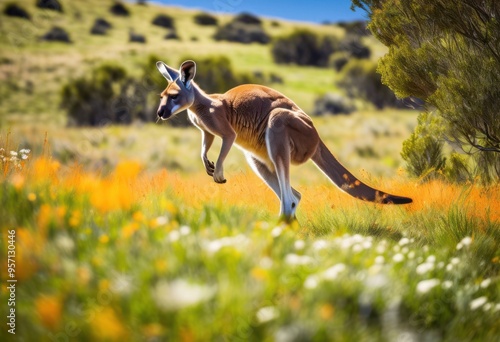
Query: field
pixel 118 233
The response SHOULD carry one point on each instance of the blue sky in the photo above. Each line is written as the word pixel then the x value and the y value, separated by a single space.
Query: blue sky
pixel 305 10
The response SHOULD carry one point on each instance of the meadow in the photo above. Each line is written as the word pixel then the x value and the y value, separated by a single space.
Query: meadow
pixel 119 234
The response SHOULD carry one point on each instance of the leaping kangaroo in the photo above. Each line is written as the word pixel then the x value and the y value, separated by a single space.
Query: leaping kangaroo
pixel 271 129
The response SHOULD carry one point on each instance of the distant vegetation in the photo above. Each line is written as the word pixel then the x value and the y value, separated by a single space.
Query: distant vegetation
pixel 244 28
pixel 57 34
pixel 205 19
pixel 14 10
pixel 119 9
pixel 54 5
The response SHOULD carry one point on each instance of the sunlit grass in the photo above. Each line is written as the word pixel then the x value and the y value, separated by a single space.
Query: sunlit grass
pixel 128 253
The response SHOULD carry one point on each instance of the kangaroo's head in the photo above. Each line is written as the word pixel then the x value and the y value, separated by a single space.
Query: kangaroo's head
pixel 179 94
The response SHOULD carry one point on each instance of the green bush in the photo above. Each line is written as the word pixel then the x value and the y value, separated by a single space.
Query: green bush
pixel 205 19
pixel 447 54
pixel 245 29
pixel 360 79
pixel 423 151
pixel 108 95
pixel 303 47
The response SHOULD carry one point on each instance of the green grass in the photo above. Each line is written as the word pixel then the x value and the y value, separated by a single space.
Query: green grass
pixel 165 257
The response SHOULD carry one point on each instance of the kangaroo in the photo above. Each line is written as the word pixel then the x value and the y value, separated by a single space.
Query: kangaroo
pixel 271 129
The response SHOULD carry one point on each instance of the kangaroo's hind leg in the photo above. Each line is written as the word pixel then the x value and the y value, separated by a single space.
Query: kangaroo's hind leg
pixel 268 176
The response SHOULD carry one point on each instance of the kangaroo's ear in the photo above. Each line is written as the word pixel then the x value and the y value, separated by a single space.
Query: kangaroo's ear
pixel 187 71
pixel 169 73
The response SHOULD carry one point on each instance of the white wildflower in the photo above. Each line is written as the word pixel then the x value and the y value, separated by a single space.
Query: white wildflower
pixel 161 220
pixel 174 235
pixel 367 244
pixel 311 282
pixel 320 244
pixel 449 267
pixel 178 294
pixel 396 248
pixel 425 267
pixel 299 244
pixel 381 247
pixel 266 314
pixel 295 259
pixel 398 257
pixel 25 151
pixel 497 307
pixel 487 307
pixel 411 255
pixel 121 284
pixel 332 272
pixel 24 156
pixel 379 260
pixel 431 259
pixel 276 231
pixel 64 243
pixel 425 286
pixel 485 283
pixel 405 250
pixel 215 245
pixel 447 284
pixel 13 153
pixel 266 262
pixel 440 264
pixel 184 230
pixel 478 302
pixel 404 241
pixel 357 248
pixel 465 242
pixel 455 261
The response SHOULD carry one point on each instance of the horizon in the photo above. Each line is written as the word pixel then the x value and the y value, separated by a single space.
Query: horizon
pixel 337 11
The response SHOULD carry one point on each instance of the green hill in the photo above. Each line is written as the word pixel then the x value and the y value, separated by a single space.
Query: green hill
pixel 32 71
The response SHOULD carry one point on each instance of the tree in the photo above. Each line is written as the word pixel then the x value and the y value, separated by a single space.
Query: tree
pixel 448 54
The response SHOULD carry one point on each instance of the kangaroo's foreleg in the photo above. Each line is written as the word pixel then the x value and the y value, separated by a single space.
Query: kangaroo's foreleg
pixel 268 176
pixel 228 139
pixel 206 142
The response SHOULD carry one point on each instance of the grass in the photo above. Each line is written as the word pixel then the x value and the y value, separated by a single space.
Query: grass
pixel 120 235
pixel 132 254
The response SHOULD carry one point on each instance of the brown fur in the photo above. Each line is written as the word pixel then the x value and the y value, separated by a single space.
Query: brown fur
pixel 272 130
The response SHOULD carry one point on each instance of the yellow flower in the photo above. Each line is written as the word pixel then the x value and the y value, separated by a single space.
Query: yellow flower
pixel 129 229
pixel 106 325
pixel 75 218
pixel 127 170
pixel 104 239
pixel 326 311
pixel 152 330
pixel 138 216
pixel 31 197
pixel 259 273
pixel 49 311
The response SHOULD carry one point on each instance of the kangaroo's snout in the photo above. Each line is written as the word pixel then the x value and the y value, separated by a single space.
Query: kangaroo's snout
pixel 163 112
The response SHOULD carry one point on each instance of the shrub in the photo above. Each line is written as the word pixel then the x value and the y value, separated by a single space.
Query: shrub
pixel 338 60
pixel 216 75
pixel 205 19
pixel 244 29
pixel 13 10
pixel 136 38
pixel 303 47
pixel 164 20
pixel 447 54
pixel 331 103
pixel 423 151
pixel 119 9
pixel 106 95
pixel 56 34
pixel 352 45
pixel 100 27
pixel 53 5
pixel 247 18
pixel 360 79
pixel 172 34
pixel 357 28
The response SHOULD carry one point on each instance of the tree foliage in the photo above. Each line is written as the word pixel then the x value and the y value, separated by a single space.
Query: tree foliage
pixel 448 54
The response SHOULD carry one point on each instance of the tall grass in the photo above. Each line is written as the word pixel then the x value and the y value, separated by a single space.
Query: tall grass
pixel 130 254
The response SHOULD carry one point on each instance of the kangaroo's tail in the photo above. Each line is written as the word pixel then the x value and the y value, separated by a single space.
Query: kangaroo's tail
pixel 345 180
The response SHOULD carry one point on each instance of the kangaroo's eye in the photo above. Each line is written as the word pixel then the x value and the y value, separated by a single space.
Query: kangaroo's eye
pixel 173 97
